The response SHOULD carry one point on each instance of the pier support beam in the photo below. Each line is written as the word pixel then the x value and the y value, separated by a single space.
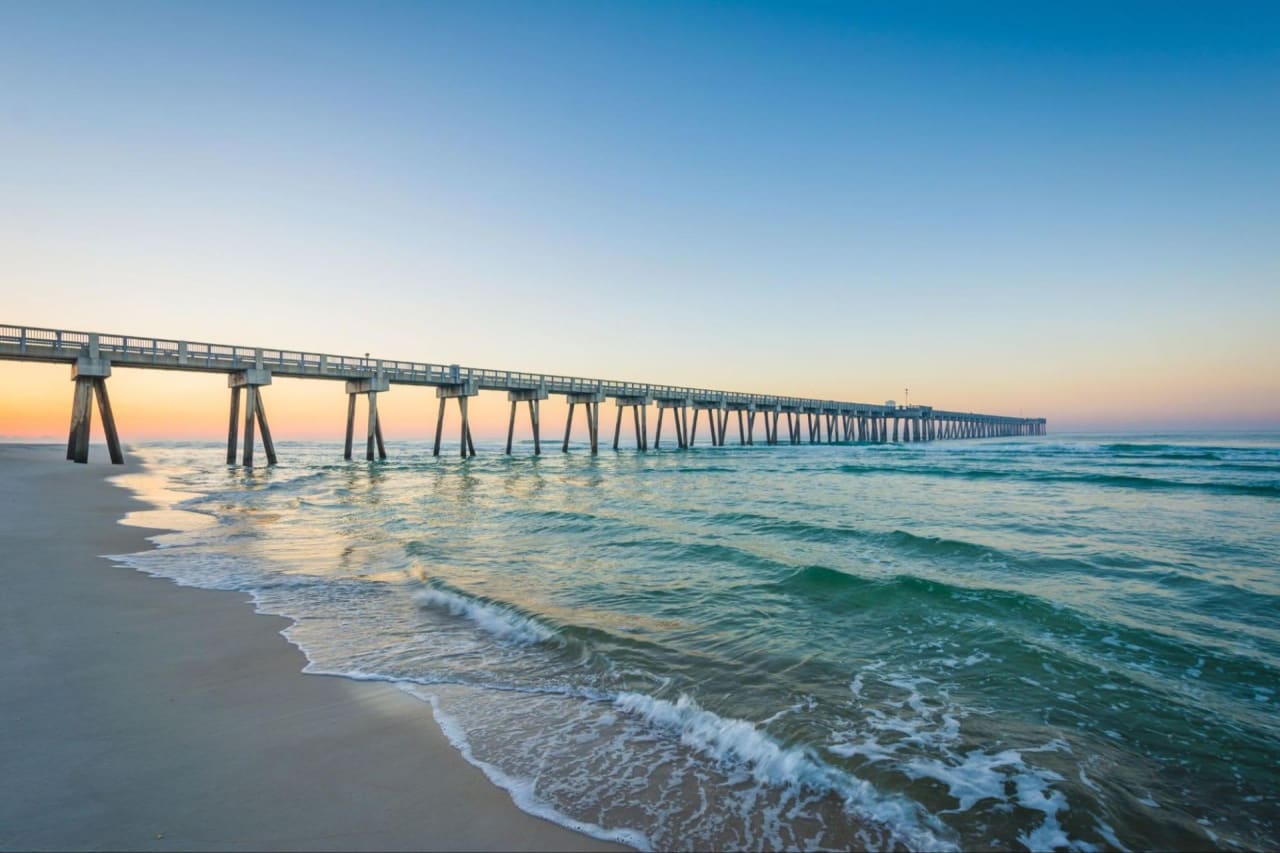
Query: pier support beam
pixel 737 408
pixel 462 392
pixel 590 400
pixel 90 376
pixel 769 413
pixel 532 396
pixel 639 405
pixel 715 419
pixel 255 413
pixel 679 408
pixel 369 387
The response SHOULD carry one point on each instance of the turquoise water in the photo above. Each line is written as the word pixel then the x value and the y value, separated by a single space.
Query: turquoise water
pixel 1059 642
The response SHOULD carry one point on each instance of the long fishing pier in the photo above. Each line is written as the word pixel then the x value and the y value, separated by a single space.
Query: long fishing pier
pixel 92 356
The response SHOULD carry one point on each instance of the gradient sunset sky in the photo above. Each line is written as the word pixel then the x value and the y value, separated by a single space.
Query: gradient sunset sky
pixel 1069 211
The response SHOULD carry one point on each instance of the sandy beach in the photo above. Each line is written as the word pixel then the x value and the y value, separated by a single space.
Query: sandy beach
pixel 136 714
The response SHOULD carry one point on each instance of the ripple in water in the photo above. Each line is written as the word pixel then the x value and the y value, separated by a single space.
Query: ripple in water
pixel 1050 643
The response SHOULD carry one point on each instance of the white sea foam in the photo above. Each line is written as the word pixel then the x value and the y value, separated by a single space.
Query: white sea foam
pixel 923 740
pixel 499 620
pixel 1108 835
pixel 978 777
pixel 734 742
pixel 522 790
pixel 677 770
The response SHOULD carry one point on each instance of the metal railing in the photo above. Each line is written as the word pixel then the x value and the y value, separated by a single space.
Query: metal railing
pixel 39 344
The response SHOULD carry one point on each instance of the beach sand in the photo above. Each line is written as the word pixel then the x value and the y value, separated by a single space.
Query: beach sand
pixel 136 714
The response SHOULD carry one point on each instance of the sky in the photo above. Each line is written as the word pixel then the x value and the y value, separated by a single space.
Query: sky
pixel 1055 210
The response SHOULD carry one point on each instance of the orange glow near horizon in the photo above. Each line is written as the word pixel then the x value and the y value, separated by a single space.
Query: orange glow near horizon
pixel 152 405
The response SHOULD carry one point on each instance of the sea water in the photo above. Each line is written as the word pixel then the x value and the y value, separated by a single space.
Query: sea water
pixel 1057 642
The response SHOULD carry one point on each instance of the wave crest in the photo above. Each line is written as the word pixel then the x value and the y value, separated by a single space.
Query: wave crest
pixel 500 620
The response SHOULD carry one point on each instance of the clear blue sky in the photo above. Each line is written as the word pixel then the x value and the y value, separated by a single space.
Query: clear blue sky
pixel 1071 209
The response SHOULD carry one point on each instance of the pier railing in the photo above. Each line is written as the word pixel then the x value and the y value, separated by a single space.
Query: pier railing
pixel 61 345
pixel 248 369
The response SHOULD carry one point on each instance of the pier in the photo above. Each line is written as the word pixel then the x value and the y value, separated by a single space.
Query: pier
pixel 92 356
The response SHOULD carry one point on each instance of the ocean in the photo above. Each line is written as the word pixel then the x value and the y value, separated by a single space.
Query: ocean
pixel 1062 642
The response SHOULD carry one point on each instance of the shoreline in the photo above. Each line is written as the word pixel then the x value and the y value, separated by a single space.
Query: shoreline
pixel 141 714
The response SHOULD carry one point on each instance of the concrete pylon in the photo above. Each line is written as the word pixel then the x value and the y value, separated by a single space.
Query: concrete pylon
pixel 255 412
pixel 368 387
pixel 90 373
pixel 590 400
pixel 715 410
pixel 462 392
pixel 639 405
pixel 679 408
pixel 532 396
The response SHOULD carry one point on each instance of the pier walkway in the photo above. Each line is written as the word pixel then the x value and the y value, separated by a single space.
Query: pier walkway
pixel 92 356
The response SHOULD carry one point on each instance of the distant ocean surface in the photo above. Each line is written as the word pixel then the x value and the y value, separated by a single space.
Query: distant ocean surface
pixel 1058 642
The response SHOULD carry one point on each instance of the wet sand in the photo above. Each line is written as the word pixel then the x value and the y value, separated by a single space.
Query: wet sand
pixel 136 714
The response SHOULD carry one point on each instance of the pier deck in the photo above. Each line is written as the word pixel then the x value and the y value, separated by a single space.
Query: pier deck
pixel 93 355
